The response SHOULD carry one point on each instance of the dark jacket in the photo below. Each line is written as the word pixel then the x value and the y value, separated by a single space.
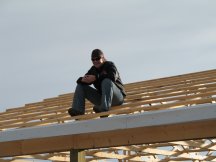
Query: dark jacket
pixel 107 70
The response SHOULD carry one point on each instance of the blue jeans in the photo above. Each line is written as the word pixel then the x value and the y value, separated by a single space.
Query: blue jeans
pixel 111 96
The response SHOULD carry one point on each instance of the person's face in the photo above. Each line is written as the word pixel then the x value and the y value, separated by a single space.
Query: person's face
pixel 97 61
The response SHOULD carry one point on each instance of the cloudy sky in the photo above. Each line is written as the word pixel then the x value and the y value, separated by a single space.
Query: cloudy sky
pixel 45 45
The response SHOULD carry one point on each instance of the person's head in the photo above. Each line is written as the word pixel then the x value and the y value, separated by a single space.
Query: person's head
pixel 97 58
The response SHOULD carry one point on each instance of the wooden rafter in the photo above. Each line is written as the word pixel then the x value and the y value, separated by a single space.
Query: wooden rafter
pixel 158 94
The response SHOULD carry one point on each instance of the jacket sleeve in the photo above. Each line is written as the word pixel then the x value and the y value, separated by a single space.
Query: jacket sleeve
pixel 110 71
pixel 91 71
pixel 79 81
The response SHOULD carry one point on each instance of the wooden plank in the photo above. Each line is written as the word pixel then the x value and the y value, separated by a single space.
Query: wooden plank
pixel 125 109
pixel 209 73
pixel 165 125
pixel 50 108
pixel 140 152
pixel 163 93
pixel 173 79
pixel 167 133
pixel 43 114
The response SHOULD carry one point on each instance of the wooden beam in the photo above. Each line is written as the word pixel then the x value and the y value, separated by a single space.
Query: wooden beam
pixel 77 155
pixel 166 133
pixel 159 126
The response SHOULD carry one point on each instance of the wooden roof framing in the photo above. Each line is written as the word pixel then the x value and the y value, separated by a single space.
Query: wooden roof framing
pixel 159 94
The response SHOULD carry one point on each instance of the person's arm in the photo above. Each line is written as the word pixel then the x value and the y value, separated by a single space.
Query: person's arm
pixel 88 78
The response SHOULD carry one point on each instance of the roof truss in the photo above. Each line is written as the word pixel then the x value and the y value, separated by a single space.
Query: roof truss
pixel 158 94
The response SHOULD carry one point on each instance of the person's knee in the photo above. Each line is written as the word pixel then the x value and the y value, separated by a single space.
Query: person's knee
pixel 81 86
pixel 107 82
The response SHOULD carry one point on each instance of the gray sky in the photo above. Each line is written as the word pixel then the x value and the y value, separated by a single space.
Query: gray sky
pixel 45 45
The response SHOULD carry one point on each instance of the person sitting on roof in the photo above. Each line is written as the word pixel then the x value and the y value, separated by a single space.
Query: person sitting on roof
pixel 108 88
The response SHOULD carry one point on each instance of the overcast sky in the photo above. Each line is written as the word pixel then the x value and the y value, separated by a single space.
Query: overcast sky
pixel 45 45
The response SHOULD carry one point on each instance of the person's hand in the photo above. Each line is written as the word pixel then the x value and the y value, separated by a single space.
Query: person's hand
pixel 88 78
